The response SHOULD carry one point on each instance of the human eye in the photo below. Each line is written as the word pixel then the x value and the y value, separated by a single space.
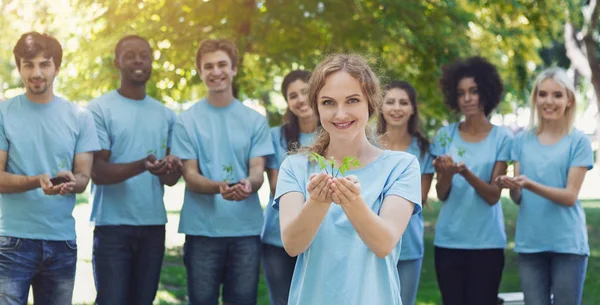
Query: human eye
pixel 327 102
pixel 353 100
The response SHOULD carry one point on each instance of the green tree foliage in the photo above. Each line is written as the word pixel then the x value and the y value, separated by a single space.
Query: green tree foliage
pixel 409 40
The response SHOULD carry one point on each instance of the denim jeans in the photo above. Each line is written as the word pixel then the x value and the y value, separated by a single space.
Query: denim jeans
pixel 279 269
pixel 47 266
pixel 127 261
pixel 231 261
pixel 410 272
pixel 548 273
pixel 469 276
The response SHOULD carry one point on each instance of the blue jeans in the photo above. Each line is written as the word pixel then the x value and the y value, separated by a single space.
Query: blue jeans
pixel 231 261
pixel 127 262
pixel 410 272
pixel 279 269
pixel 548 273
pixel 47 266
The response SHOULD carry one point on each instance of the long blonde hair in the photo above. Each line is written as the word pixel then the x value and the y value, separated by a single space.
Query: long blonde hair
pixel 560 76
pixel 359 69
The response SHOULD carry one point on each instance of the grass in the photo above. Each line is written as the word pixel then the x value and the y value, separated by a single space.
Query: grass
pixel 172 290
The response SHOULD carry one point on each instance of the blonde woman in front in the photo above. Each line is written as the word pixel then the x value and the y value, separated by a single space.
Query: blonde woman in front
pixel 346 231
pixel 551 160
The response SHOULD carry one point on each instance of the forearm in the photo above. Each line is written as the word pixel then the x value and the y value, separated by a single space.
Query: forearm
pixel 112 173
pixel 81 182
pixel 515 195
pixel 171 178
pixel 559 195
pixel 443 185
pixel 300 232
pixel 256 180
pixel 197 183
pixel 489 192
pixel 11 183
pixel 374 231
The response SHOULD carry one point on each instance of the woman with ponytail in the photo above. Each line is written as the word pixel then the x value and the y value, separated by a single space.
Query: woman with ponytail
pixel 398 129
pixel 346 230
pixel 298 129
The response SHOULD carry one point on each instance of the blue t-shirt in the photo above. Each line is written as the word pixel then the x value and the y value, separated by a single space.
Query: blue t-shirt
pixel 42 139
pixel 271 233
pixel 544 225
pixel 338 267
pixel 412 239
pixel 131 130
pixel 466 220
pixel 218 138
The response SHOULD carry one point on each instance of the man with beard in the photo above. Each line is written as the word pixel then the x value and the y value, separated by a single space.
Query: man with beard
pixel 222 144
pixel 41 136
pixel 129 172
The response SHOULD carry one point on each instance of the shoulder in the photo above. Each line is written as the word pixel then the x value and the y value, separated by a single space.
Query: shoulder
pixel 104 100
pixel 4 105
pixel 579 136
pixel 503 131
pixel 397 159
pixel 193 111
pixel 446 130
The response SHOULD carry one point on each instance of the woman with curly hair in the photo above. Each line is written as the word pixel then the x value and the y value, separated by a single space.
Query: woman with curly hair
pixel 551 160
pixel 398 129
pixel 469 156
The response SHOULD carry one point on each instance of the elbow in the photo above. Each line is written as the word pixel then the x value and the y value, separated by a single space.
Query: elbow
pixel 493 200
pixel 384 251
pixel 570 202
pixel 291 252
pixel 97 179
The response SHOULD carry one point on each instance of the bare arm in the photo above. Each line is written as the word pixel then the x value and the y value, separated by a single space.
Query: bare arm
pixel 197 183
pixel 113 173
pixel 426 180
pixel 515 192
pixel 272 175
pixel 300 221
pixel 380 233
pixel 488 190
pixel 565 196
pixel 257 168
pixel 12 183
pixel 445 170
pixel 299 218
pixel 82 170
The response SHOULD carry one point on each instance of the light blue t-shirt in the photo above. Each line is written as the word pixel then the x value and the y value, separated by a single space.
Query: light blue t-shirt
pixel 218 138
pixel 42 139
pixel 466 220
pixel 338 267
pixel 412 239
pixel 271 233
pixel 544 225
pixel 131 130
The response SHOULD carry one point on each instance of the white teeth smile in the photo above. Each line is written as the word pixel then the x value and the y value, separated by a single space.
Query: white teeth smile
pixel 138 71
pixel 342 125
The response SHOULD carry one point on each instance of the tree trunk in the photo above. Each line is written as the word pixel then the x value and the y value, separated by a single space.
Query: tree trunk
pixel 583 57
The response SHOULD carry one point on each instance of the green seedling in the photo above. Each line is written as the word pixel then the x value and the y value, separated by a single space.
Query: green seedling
pixel 445 139
pixel 461 151
pixel 228 169
pixel 348 163
pixel 164 144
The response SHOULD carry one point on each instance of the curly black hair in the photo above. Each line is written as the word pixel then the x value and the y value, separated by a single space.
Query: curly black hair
pixel 486 76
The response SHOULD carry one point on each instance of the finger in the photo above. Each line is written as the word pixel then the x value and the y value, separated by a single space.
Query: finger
pixel 314 182
pixel 321 188
pixel 335 198
pixel 343 192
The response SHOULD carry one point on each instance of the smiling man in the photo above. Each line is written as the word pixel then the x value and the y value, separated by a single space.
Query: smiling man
pixel 41 136
pixel 129 172
pixel 222 144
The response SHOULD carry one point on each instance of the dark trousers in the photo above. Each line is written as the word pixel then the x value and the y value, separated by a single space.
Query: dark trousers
pixel 469 277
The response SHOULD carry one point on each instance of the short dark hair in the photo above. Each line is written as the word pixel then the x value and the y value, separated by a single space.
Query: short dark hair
pixel 486 76
pixel 128 38
pixel 31 44
pixel 213 45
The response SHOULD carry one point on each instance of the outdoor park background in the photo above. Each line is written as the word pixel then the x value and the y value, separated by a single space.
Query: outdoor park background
pixel 408 39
